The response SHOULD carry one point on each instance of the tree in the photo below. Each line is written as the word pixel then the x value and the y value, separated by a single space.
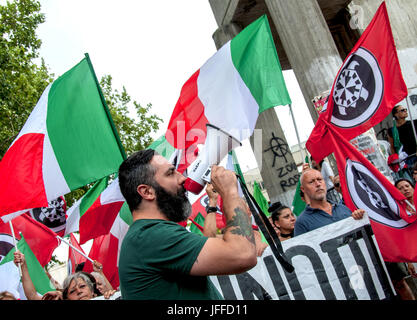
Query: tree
pixel 22 80
pixel 134 133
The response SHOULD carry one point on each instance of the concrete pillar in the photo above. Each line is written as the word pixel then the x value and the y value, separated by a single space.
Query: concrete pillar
pixel 279 173
pixel 309 45
pixel 403 20
pixel 278 169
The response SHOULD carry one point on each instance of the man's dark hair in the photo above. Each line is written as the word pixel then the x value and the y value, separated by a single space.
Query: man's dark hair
pixel 415 167
pixel 276 210
pixel 394 111
pixel 136 170
pixel 403 179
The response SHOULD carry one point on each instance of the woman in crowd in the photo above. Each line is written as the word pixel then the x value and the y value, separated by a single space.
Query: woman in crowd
pixel 284 220
pixel 77 286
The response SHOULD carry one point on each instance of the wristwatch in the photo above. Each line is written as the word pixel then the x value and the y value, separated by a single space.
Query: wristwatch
pixel 211 209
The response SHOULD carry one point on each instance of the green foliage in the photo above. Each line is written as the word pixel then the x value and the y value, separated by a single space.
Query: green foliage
pixel 134 134
pixel 22 80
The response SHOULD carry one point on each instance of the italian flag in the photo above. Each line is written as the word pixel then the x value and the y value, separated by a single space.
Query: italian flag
pixel 93 215
pixel 40 238
pixel 106 248
pixel 68 141
pixel 242 79
pixel 9 273
pixel 74 257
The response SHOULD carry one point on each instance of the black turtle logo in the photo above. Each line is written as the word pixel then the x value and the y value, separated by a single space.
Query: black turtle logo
pixel 358 90
pixel 6 244
pixel 367 193
pixel 52 216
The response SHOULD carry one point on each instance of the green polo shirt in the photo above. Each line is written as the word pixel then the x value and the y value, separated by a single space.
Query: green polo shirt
pixel 155 260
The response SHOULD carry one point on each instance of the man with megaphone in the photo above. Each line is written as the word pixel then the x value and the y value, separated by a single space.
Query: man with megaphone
pixel 159 259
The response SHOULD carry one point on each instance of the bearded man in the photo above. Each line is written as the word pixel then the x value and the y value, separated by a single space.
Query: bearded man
pixel 159 259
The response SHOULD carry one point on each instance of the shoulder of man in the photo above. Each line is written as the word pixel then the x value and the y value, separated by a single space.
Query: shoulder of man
pixel 342 208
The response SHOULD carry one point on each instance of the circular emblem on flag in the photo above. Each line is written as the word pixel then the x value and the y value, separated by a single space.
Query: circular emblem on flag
pixel 368 194
pixel 358 90
pixel 6 244
pixel 204 201
pixel 52 216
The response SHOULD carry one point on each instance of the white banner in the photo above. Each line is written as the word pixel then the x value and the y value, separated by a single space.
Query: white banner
pixel 340 261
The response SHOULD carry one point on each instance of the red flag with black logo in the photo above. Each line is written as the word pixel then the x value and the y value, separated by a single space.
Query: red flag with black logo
pixel 366 88
pixel 365 187
pixel 40 238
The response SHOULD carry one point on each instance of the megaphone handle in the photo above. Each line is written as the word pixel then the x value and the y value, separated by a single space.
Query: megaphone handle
pixel 266 228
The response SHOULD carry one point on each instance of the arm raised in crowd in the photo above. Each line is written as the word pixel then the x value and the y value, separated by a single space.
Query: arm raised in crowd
pixel 210 224
pixel 235 251
pixel 28 287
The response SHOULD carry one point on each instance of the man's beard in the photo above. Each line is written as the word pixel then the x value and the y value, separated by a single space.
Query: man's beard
pixel 175 207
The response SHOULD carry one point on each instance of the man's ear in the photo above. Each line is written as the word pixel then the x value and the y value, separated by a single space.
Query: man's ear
pixel 146 192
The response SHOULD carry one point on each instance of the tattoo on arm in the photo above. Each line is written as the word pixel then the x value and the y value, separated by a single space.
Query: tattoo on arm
pixel 242 223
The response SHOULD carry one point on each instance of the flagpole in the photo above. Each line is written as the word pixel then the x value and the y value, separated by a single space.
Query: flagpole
pixel 81 253
pixel 296 132
pixel 412 207
pixel 15 245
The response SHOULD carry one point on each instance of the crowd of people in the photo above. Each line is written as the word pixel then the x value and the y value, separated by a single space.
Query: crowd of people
pixel 79 285
pixel 160 259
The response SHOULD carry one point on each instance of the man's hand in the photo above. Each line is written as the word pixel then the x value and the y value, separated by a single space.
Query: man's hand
pixel 97 267
pixel 358 214
pixel 52 295
pixel 212 195
pixel 19 258
pixel 411 269
pixel 306 167
pixel 224 181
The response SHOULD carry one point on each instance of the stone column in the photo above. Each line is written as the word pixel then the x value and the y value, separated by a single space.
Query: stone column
pixel 279 173
pixel 403 19
pixel 309 45
pixel 278 169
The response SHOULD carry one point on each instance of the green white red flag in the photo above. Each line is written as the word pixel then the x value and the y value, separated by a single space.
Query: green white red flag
pixel 74 257
pixel 40 238
pixel 68 141
pixel 106 248
pixel 94 214
pixel 242 79
pixel 9 273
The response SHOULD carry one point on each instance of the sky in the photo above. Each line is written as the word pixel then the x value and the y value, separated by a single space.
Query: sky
pixel 149 47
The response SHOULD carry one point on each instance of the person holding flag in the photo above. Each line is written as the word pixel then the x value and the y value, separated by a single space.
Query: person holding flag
pixel 401 136
pixel 320 212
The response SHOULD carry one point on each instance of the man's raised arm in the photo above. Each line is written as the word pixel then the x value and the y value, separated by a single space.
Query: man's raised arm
pixel 235 252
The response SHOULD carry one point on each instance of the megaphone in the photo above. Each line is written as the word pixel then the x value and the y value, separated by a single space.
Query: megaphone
pixel 218 144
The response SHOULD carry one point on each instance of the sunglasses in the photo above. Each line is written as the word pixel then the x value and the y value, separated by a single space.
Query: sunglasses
pixel 402 110
pixel 337 184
